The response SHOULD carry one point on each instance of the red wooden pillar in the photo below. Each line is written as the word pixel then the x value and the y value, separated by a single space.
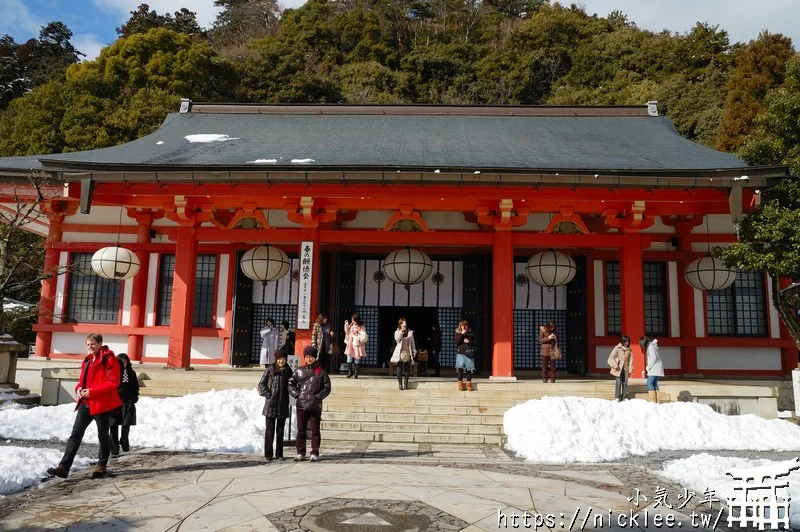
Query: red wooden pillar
pixel 632 295
pixel 180 331
pixel 503 303
pixel 310 233
pixel 686 308
pixel 47 302
pixel 139 295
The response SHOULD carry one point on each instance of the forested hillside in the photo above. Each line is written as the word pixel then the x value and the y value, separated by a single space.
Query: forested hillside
pixel 739 97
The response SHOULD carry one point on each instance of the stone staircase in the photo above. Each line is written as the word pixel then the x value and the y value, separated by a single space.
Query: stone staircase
pixel 372 408
pixel 12 393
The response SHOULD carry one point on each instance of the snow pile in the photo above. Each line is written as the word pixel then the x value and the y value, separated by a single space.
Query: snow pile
pixel 209 137
pixel 263 161
pixel 577 429
pixel 21 467
pixel 228 420
pixel 704 471
pixel 302 161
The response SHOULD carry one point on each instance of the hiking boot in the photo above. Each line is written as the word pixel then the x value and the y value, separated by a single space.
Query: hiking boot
pixel 58 471
pixel 99 471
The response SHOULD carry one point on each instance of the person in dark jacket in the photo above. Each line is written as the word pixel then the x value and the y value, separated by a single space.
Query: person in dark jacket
pixel 96 396
pixel 274 387
pixel 434 347
pixel 465 355
pixel 125 415
pixel 309 384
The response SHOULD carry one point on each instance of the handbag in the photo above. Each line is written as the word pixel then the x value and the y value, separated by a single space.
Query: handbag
pixel 469 351
pixel 362 336
pixel 555 353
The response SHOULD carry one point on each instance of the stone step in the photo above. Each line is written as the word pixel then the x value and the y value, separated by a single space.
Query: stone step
pixel 12 393
pixel 414 437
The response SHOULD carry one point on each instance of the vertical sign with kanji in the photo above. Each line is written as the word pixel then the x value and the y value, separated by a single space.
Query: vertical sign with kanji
pixel 304 293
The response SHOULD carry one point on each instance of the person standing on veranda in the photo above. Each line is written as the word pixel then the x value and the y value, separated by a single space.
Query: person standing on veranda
pixel 405 351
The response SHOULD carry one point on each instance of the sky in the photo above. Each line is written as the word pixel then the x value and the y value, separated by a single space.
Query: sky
pixel 93 22
pixel 231 421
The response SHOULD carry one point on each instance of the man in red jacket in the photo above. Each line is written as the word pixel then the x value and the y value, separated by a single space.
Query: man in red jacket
pixel 96 394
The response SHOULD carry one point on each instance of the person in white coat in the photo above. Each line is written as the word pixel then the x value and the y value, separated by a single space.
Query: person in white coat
pixel 654 366
pixel 404 352
pixel 270 342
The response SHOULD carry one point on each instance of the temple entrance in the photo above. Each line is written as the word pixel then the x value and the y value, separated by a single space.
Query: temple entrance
pixel 419 319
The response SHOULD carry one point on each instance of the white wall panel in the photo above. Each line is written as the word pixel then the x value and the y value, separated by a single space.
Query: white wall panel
pixel 368 220
pixel 715 223
pixel 599 299
pixel 127 297
pixel 103 235
pixel 282 292
pixel 699 313
pixel 222 288
pixel 61 283
pixel 536 222
pixel 448 292
pixel 674 304
pixel 150 301
pixel 206 348
pixel 447 221
pixel 75 343
pixel 601 353
pixel 155 346
pixel 670 357
pixel 774 319
pixel 743 358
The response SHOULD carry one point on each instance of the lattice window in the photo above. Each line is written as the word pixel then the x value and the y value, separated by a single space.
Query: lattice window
pixel 525 339
pixel 261 312
pixel 655 299
pixel 739 310
pixel 370 319
pixel 448 321
pixel 613 299
pixel 91 298
pixel 204 290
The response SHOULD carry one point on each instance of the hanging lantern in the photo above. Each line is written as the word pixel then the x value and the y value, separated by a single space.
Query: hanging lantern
pixel 265 263
pixel 709 273
pixel 407 266
pixel 115 263
pixel 551 268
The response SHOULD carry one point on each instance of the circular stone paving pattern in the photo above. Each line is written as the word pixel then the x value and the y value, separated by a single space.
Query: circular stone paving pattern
pixel 359 515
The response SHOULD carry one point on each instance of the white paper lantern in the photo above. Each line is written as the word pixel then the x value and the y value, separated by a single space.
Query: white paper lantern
pixel 265 264
pixel 709 273
pixel 407 266
pixel 115 263
pixel 551 268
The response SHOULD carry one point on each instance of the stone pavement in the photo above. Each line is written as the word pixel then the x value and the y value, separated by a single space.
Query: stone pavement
pixel 358 487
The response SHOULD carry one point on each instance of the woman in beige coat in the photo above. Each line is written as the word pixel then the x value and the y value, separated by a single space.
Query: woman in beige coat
pixel 621 362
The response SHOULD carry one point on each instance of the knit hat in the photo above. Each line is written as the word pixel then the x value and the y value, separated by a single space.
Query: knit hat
pixel 310 352
pixel 279 354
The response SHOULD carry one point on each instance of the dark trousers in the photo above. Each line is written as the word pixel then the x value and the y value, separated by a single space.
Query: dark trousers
pixel 116 441
pixel 433 362
pixel 82 421
pixel 310 419
pixel 546 360
pixel 621 386
pixel 274 425
pixel 404 369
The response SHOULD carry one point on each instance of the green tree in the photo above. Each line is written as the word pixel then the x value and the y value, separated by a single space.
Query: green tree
pixel 759 67
pixel 144 19
pixel 769 241
pixel 242 22
pixel 775 139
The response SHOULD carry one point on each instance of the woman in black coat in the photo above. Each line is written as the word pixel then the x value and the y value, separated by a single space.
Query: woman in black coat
pixel 274 387
pixel 125 415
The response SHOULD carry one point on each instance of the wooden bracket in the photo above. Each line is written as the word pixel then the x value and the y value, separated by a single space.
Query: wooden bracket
pixel 406 212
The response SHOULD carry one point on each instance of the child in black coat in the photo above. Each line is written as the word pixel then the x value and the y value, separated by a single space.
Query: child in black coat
pixel 125 415
pixel 274 387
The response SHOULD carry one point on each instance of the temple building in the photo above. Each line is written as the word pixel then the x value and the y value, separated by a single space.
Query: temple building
pixel 609 209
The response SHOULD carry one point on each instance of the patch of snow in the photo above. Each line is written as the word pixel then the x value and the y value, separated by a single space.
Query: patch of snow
pixel 160 142
pixel 703 472
pixel 599 430
pixel 22 467
pixel 209 137
pixel 263 161
pixel 302 161
pixel 785 413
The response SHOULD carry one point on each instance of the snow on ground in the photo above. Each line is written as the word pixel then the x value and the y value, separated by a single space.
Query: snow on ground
pixel 209 137
pixel 704 471
pixel 578 429
pixel 228 420
pixel 21 467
